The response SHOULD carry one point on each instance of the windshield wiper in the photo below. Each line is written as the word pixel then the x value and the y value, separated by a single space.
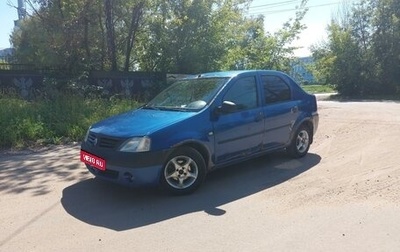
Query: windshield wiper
pixel 177 109
pixel 166 108
pixel 151 107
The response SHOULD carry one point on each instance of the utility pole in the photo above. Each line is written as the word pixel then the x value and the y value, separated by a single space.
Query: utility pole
pixel 21 12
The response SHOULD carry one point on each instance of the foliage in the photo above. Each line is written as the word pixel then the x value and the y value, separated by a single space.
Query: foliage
pixel 50 121
pixel 361 56
pixel 182 36
pixel 255 49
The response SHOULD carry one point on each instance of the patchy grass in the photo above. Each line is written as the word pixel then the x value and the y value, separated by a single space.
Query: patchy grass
pixel 375 98
pixel 65 119
pixel 318 89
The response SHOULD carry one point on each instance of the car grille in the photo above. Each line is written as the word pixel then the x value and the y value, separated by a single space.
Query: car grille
pixel 103 142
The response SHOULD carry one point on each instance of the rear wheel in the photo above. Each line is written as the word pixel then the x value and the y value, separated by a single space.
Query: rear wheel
pixel 300 143
pixel 184 171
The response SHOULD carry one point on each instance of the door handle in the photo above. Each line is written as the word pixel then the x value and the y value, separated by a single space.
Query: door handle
pixel 295 109
pixel 259 117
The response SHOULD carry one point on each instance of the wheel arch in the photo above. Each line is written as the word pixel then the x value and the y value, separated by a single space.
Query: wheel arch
pixel 184 179
pixel 306 122
pixel 201 148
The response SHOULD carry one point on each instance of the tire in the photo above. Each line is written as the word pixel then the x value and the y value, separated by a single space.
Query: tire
pixel 184 171
pixel 300 143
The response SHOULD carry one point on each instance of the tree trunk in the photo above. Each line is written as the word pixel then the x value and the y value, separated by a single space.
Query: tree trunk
pixel 112 54
pixel 137 13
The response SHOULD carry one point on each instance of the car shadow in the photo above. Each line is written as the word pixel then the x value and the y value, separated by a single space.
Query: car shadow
pixel 118 208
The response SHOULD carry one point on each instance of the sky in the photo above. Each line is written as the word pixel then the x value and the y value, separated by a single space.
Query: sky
pixel 276 12
pixel 317 18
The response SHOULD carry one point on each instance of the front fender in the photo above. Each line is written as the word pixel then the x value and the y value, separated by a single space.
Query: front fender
pixel 202 141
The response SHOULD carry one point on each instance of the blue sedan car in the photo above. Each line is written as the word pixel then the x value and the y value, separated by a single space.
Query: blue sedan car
pixel 199 124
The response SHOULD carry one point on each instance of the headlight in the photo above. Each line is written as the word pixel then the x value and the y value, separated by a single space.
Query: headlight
pixel 87 134
pixel 136 144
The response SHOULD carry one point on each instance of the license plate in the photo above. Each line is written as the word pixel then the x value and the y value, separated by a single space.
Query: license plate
pixel 93 160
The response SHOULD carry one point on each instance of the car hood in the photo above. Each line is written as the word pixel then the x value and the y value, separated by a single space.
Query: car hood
pixel 139 122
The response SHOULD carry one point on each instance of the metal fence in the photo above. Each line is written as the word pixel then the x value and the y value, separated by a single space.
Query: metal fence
pixel 27 80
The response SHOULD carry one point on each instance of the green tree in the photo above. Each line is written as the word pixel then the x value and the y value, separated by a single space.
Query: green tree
pixel 253 48
pixel 322 66
pixel 189 36
pixel 345 69
pixel 362 29
pixel 361 56
pixel 59 33
pixel 78 35
pixel 184 36
pixel 386 39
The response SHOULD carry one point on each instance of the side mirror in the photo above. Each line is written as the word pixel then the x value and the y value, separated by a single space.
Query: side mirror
pixel 226 108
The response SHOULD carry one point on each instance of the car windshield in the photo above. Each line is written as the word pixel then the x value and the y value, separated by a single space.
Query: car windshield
pixel 187 94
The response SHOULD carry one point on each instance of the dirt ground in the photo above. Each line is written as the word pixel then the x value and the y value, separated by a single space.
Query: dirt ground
pixel 343 196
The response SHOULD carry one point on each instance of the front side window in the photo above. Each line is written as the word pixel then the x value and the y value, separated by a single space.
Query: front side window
pixel 275 89
pixel 243 93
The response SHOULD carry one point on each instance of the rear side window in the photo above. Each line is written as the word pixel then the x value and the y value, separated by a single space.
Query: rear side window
pixel 243 93
pixel 275 89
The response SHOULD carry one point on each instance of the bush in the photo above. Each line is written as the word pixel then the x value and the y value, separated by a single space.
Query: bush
pixel 53 121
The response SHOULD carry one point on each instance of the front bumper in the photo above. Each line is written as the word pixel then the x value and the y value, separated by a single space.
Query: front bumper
pixel 131 177
pixel 128 169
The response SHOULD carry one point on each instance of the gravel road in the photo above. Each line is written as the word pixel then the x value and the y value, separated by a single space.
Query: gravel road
pixel 343 196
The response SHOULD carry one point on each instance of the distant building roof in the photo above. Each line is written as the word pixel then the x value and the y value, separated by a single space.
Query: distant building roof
pixel 299 71
pixel 6 52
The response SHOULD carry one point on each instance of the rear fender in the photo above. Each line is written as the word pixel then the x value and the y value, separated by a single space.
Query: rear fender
pixel 304 121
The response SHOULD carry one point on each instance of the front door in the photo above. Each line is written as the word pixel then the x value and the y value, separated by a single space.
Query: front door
pixel 240 132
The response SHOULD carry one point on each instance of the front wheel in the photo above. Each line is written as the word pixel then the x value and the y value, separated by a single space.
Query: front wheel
pixel 184 171
pixel 300 143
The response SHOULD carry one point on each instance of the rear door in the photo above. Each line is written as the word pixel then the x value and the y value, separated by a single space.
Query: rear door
pixel 279 109
pixel 240 132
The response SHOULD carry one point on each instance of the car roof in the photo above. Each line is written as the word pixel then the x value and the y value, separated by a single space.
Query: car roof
pixel 231 74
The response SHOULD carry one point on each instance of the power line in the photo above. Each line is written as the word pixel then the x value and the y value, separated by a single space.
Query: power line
pixel 271 5
pixel 269 12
